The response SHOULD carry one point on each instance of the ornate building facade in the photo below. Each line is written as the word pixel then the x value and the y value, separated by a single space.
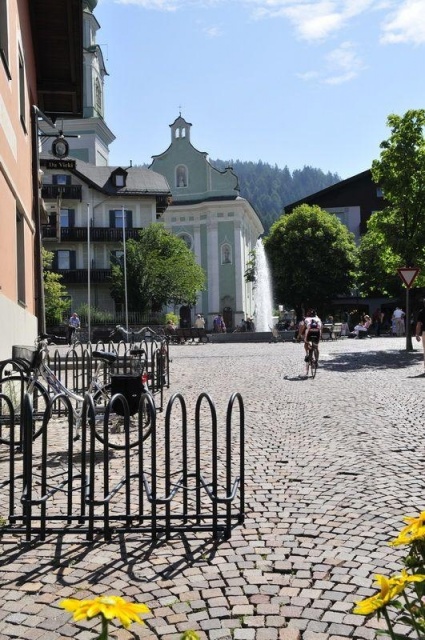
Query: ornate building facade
pixel 216 223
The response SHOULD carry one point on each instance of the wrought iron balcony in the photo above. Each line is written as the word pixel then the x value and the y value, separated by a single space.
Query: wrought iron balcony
pixel 97 234
pixel 80 276
pixel 49 232
pixel 162 202
pixel 63 191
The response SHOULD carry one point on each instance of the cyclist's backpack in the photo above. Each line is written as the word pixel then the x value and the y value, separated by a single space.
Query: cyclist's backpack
pixel 314 325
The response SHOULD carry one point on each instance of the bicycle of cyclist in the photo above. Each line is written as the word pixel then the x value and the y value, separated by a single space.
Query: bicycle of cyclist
pixel 312 337
pixel 75 337
pixel 73 325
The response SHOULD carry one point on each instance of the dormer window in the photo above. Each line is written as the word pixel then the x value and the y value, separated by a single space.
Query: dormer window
pixel 119 178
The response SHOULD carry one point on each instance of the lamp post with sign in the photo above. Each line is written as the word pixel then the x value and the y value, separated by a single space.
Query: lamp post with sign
pixel 408 275
pixel 125 267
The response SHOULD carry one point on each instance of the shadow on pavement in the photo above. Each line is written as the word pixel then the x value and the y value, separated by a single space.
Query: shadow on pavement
pixel 392 359
pixel 132 555
pixel 181 554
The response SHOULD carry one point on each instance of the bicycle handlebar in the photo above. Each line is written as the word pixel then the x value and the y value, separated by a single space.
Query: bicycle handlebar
pixel 48 337
pixel 131 332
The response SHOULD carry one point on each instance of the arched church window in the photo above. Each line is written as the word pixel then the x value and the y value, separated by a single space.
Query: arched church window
pixel 187 239
pixel 181 176
pixel 226 253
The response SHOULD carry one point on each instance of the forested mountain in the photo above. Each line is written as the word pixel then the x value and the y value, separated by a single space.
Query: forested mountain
pixel 269 188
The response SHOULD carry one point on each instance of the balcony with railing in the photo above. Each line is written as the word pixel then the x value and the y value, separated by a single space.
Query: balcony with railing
pixel 162 202
pixel 97 234
pixel 80 276
pixel 62 191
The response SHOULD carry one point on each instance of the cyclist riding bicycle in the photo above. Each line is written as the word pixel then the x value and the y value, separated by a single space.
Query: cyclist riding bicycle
pixel 312 332
pixel 73 324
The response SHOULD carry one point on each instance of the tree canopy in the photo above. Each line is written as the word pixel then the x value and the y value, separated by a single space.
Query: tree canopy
pixel 400 172
pixel 312 257
pixel 378 264
pixel 56 300
pixel 160 269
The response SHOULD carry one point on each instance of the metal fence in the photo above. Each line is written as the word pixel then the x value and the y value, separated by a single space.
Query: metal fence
pixel 143 477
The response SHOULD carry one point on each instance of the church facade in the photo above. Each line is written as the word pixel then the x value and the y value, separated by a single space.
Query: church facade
pixel 219 226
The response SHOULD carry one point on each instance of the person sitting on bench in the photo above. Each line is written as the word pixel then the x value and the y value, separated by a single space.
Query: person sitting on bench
pixel 360 331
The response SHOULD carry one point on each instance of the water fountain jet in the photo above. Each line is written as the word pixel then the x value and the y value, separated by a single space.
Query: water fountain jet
pixel 263 293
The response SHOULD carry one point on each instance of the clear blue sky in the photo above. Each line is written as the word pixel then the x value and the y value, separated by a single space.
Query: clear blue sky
pixel 288 82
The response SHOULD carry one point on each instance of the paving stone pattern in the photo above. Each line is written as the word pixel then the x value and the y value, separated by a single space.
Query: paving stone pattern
pixel 332 465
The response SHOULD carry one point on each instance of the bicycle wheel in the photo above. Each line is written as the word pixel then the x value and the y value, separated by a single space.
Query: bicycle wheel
pixel 313 362
pixel 13 387
pixel 313 367
pixel 117 424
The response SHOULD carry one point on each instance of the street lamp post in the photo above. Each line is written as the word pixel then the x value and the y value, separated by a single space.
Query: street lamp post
pixel 88 275
pixel 125 269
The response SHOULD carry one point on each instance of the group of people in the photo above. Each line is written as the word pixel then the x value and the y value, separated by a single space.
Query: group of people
pixel 246 325
pixel 199 323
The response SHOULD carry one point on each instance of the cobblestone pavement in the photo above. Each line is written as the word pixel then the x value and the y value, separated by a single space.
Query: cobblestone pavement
pixel 332 465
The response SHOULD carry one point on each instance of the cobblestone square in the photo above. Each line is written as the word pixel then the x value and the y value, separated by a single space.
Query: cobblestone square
pixel 332 466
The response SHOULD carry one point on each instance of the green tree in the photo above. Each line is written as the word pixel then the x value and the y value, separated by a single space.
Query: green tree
pixel 400 172
pixel 161 270
pixel 56 300
pixel 312 257
pixel 378 263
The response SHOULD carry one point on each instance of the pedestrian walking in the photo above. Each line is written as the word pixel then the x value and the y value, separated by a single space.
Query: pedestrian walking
pixel 377 320
pixel 420 329
pixel 398 320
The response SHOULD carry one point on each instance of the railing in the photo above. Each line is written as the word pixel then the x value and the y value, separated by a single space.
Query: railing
pixel 97 234
pixel 162 202
pixel 80 276
pixel 185 477
pixel 65 192
pixel 49 231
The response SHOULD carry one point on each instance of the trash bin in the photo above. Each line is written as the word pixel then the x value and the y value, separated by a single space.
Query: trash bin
pixel 131 387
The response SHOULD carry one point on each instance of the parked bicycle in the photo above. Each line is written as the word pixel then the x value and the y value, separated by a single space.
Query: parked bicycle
pixel 28 370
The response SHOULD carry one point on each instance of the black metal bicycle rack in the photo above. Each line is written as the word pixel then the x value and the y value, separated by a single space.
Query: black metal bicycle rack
pixel 184 477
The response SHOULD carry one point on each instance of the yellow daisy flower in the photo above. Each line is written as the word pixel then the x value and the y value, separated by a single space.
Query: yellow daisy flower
pixel 190 635
pixel 399 582
pixel 379 600
pixel 414 530
pixel 390 589
pixel 108 606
